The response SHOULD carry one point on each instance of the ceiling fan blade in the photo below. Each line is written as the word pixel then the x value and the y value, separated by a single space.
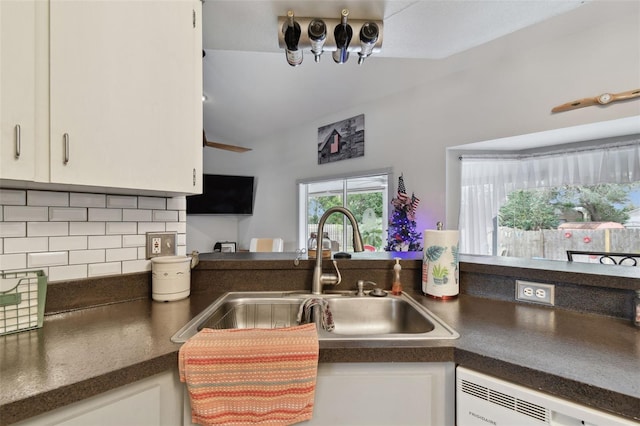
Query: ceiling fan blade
pixel 224 146
pixel 581 103
pixel 603 99
pixel 626 95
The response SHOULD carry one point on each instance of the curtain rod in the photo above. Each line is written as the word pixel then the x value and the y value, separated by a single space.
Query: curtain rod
pixel 620 142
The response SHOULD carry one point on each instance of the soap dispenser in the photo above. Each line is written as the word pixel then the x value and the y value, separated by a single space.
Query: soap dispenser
pixel 396 287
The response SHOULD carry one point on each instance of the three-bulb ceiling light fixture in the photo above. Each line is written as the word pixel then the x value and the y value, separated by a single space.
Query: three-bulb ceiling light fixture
pixel 326 34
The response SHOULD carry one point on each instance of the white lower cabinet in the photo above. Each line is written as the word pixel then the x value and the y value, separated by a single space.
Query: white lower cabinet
pixel 389 394
pixel 385 394
pixel 154 401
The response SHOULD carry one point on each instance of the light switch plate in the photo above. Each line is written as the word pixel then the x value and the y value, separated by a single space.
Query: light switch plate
pixel 161 244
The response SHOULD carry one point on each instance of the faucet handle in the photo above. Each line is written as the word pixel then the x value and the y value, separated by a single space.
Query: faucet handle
pixel 335 265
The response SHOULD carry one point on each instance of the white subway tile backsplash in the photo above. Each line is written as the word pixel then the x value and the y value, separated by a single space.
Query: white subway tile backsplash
pixel 25 214
pixel 105 241
pixel 122 202
pixel 105 215
pixel 99 269
pixel 13 261
pixel 13 229
pixel 121 228
pixel 177 203
pixel 134 240
pixel 131 266
pixel 26 245
pixel 86 228
pixel 47 229
pixel 13 197
pixel 87 256
pixel 47 198
pixel 70 272
pixel 179 227
pixel 52 258
pixel 67 214
pixel 79 199
pixel 144 227
pixel 67 243
pixel 165 215
pixel 152 203
pixel 136 215
pixel 74 235
pixel 120 254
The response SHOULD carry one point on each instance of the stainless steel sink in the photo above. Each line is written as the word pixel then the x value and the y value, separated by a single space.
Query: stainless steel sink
pixel 354 318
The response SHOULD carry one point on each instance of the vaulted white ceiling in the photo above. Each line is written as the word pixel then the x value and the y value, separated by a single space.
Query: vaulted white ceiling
pixel 251 91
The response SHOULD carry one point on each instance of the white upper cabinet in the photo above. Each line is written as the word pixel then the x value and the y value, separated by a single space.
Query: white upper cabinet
pixel 123 94
pixel 126 95
pixel 17 89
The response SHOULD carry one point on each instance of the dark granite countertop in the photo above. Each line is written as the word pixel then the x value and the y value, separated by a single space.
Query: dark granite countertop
pixel 590 359
pixel 587 358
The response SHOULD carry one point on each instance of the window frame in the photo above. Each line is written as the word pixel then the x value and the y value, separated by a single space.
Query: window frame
pixel 303 197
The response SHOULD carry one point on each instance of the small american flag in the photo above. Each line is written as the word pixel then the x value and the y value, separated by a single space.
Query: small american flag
pixel 402 191
pixel 414 203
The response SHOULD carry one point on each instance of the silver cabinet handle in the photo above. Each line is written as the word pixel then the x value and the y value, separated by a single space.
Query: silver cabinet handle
pixel 18 140
pixel 65 139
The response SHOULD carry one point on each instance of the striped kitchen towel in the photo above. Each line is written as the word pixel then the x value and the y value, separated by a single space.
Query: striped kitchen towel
pixel 251 376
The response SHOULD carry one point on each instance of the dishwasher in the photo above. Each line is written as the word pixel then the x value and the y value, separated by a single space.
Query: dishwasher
pixel 483 400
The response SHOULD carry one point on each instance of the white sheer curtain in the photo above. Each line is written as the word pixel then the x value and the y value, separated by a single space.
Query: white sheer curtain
pixel 487 180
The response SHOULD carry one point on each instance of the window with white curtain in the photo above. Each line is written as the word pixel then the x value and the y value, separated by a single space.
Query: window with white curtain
pixel 488 182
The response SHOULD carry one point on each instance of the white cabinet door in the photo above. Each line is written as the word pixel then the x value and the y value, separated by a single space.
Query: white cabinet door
pixel 385 394
pixel 17 89
pixel 154 401
pixel 380 394
pixel 126 94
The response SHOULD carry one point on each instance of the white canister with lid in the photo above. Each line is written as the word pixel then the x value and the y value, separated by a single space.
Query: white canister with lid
pixel 171 277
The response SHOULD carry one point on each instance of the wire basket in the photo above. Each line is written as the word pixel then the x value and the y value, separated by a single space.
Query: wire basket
pixel 22 298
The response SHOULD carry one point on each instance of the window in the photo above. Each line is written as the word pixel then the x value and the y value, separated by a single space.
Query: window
pixel 366 195
pixel 543 204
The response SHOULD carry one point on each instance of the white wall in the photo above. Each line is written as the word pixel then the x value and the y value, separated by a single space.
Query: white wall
pixel 504 88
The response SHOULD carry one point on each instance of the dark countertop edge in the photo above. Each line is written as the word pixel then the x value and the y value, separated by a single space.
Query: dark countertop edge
pixel 613 402
pixel 627 278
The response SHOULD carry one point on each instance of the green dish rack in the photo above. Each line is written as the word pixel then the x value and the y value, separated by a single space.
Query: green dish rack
pixel 22 299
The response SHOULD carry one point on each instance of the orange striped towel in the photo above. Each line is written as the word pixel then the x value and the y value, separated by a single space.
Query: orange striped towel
pixel 251 376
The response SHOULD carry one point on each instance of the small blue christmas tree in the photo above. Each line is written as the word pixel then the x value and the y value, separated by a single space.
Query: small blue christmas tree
pixel 402 235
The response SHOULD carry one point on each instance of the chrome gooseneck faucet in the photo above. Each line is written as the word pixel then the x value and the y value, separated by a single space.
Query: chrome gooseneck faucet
pixel 320 279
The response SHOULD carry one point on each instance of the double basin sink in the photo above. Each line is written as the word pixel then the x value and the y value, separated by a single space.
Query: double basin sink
pixel 354 317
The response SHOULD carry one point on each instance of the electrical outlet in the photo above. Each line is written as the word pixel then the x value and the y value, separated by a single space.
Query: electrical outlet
pixel 156 245
pixel 535 292
pixel 161 244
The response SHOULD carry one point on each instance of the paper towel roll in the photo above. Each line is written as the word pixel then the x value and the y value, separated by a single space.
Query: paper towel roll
pixel 440 264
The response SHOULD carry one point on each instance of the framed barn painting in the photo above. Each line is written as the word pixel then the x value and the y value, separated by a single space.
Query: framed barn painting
pixel 341 140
